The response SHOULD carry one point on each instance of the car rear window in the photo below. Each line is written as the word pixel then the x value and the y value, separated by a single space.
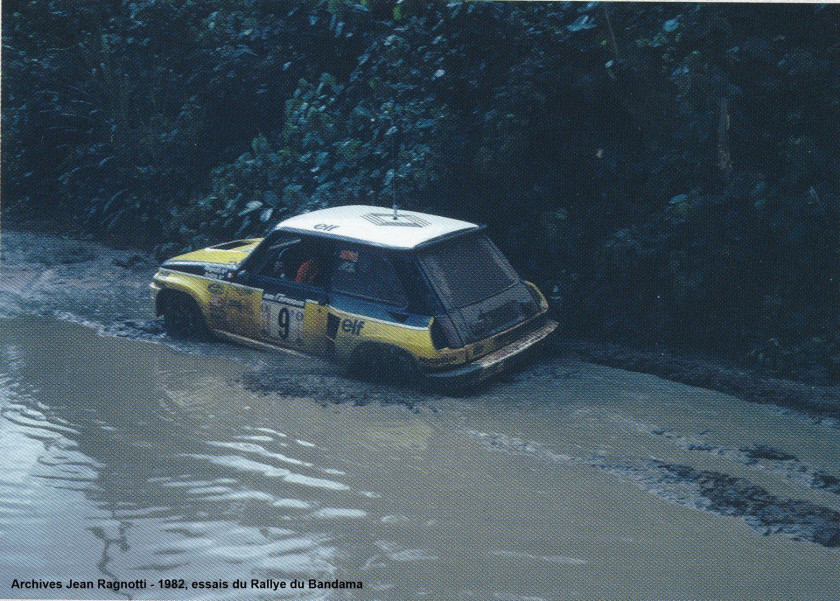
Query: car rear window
pixel 467 270
pixel 367 273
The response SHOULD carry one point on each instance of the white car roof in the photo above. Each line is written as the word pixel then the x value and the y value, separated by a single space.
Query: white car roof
pixel 376 225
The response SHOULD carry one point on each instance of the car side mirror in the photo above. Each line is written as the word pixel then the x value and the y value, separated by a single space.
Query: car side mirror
pixel 241 277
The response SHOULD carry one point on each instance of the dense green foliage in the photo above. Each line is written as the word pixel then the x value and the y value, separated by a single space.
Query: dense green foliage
pixel 671 170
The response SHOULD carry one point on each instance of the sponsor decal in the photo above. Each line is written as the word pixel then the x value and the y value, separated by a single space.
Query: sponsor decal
pixel 325 227
pixel 349 258
pixel 280 298
pixel 282 321
pixel 352 326
pixel 217 272
pixel 438 360
pixel 348 266
pixel 214 288
pixel 243 291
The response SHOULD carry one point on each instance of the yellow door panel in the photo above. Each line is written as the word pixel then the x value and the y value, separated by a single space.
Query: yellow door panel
pixel 357 329
pixel 282 321
pixel 242 306
pixel 298 324
pixel 315 328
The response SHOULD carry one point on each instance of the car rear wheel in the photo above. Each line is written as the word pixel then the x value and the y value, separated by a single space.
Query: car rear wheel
pixel 384 363
pixel 183 318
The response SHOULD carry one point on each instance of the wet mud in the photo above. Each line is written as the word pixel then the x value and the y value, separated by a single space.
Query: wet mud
pixel 727 495
pixel 329 383
pixel 819 403
pixel 706 490
pixel 759 456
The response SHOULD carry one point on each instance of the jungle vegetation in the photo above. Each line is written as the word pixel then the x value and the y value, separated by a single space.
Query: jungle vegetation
pixel 670 171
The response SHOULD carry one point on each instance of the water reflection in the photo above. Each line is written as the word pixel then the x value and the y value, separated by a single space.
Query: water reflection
pixel 142 470
pixel 123 460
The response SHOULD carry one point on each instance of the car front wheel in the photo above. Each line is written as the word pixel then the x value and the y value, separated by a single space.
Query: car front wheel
pixel 183 318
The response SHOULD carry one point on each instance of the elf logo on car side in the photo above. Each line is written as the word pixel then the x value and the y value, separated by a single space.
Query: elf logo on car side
pixel 352 326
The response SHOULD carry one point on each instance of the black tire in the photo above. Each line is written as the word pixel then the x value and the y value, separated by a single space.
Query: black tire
pixel 403 367
pixel 385 364
pixel 183 318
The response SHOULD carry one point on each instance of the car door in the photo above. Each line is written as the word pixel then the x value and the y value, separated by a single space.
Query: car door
pixel 241 309
pixel 369 302
pixel 292 307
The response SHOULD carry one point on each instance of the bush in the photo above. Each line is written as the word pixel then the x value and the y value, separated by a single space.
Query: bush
pixel 669 170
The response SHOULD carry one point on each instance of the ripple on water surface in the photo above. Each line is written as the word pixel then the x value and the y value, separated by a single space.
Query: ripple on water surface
pixel 119 484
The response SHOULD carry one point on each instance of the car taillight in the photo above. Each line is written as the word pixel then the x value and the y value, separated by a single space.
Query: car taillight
pixel 529 309
pixel 444 334
pixel 535 294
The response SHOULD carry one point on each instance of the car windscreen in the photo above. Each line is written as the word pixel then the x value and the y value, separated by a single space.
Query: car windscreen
pixel 467 270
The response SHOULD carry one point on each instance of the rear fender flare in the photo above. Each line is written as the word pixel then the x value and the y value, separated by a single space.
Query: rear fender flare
pixel 382 359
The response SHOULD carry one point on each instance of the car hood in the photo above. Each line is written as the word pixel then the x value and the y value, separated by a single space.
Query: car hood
pixel 228 254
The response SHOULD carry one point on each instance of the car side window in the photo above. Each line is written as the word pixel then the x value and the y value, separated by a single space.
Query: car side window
pixel 275 259
pixel 367 273
pixel 276 263
pixel 295 259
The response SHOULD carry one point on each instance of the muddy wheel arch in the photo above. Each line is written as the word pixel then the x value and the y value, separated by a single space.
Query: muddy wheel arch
pixel 182 315
pixel 380 361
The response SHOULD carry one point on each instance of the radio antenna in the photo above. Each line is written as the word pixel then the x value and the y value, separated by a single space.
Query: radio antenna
pixel 394 131
pixel 394 182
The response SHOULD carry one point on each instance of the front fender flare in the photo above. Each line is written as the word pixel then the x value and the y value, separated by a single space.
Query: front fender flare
pixel 181 284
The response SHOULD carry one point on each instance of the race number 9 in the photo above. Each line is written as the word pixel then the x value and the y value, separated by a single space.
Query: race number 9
pixel 283 323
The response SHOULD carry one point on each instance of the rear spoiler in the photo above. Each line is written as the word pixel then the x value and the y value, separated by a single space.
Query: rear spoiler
pixel 468 232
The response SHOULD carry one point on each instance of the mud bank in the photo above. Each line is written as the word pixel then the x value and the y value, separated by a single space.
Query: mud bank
pixel 759 456
pixel 822 403
pixel 45 273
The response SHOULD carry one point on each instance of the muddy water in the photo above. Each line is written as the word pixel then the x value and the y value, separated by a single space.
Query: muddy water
pixel 124 455
pixel 125 459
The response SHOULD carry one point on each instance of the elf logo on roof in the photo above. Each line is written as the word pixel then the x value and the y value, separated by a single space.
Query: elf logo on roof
pixel 325 227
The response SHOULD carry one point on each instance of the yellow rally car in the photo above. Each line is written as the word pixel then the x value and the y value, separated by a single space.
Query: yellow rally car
pixel 399 292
